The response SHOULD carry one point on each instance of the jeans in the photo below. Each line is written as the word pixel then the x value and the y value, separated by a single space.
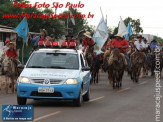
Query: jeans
pixel 148 57
pixel 128 60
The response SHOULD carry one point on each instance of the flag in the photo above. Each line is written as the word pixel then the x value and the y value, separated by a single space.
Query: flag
pixel 122 30
pixel 22 29
pixel 72 19
pixel 129 29
pixel 100 36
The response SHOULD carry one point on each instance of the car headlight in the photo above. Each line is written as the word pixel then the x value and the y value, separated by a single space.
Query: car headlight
pixel 70 81
pixel 24 80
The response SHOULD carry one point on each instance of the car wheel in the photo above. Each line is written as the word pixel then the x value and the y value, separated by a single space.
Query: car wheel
pixel 78 102
pixel 86 97
pixel 21 100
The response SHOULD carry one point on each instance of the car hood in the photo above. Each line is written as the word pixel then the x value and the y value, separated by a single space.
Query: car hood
pixel 49 73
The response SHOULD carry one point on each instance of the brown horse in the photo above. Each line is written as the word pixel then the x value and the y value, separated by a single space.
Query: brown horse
pixel 9 69
pixel 94 66
pixel 116 68
pixel 138 59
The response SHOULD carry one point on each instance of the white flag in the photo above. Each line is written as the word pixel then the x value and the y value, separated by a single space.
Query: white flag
pixel 101 35
pixel 122 30
pixel 72 19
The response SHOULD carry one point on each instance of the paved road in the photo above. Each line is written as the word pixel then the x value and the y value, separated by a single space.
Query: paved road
pixel 132 103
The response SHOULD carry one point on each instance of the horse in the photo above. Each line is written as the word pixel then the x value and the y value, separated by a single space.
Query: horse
pixel 138 60
pixel 9 70
pixel 116 68
pixel 94 65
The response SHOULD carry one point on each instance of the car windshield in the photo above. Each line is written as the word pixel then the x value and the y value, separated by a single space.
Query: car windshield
pixel 54 60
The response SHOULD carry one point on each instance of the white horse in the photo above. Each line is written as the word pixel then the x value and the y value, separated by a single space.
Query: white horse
pixel 9 70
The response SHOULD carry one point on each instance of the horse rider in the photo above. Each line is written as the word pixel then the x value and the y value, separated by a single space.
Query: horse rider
pixel 12 53
pixel 131 47
pixel 37 39
pixel 108 50
pixel 69 39
pixel 154 44
pixel 88 41
pixel 139 45
pixel 122 45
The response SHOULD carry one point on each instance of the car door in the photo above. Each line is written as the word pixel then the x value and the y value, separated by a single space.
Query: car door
pixel 86 74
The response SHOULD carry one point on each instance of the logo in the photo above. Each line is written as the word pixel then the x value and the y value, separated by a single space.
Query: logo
pixel 17 112
pixel 46 81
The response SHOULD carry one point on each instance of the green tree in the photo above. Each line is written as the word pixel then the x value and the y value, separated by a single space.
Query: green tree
pixel 80 23
pixel 52 26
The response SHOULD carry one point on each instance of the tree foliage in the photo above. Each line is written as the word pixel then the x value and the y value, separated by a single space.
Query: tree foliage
pixel 52 26
pixel 80 23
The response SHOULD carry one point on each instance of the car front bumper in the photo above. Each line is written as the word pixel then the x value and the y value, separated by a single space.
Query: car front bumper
pixel 62 91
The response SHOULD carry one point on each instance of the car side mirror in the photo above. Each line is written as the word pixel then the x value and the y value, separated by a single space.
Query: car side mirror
pixel 20 66
pixel 85 68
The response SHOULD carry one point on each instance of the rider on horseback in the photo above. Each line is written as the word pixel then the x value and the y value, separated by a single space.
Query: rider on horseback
pixel 11 52
pixel 139 45
pixel 122 45
pixel 140 48
pixel 88 41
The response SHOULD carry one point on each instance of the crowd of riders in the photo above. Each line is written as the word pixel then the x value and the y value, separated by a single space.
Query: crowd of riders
pixel 126 48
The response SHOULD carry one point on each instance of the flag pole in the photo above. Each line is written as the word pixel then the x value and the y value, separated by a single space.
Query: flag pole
pixel 101 11
pixel 23 52
pixel 68 19
pixel 106 20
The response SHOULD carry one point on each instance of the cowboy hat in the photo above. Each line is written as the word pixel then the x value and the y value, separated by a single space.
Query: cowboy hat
pixel 118 35
pixel 13 43
pixel 139 36
pixel 112 36
pixel 87 34
pixel 43 30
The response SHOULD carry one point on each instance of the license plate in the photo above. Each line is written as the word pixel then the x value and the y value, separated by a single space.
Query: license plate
pixel 45 90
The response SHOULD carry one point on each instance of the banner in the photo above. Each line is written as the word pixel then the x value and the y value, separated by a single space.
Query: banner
pixel 129 29
pixel 22 29
pixel 100 36
pixel 122 30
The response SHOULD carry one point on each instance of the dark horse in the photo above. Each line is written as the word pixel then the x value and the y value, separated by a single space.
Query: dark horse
pixel 94 64
pixel 138 59
pixel 116 68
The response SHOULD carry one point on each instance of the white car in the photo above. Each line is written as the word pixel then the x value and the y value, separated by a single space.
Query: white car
pixel 61 74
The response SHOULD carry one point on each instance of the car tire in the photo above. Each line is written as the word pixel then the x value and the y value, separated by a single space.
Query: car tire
pixel 79 101
pixel 86 97
pixel 21 100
